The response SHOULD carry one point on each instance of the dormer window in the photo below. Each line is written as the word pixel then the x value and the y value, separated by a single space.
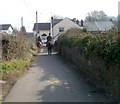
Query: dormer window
pixel 61 29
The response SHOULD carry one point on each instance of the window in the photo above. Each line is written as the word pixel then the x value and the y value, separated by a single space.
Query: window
pixel 61 29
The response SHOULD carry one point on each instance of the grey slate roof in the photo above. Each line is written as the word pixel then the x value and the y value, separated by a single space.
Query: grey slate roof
pixel 55 21
pixel 91 26
pixel 98 25
pixel 42 26
pixel 106 25
pixel 5 26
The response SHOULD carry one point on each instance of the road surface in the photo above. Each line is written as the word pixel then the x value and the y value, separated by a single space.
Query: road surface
pixel 52 80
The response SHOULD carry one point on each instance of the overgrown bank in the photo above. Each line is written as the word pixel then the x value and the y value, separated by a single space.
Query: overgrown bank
pixel 96 55
pixel 17 53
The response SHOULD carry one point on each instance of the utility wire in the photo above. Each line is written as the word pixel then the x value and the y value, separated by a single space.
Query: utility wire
pixel 30 11
pixel 31 6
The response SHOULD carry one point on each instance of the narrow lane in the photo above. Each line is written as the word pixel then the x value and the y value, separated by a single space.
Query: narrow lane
pixel 52 80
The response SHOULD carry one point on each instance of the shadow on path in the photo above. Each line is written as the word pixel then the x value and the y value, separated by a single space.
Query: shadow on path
pixel 65 84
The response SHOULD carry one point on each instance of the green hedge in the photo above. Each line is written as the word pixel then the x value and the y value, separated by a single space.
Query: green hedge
pixel 106 46
pixel 98 56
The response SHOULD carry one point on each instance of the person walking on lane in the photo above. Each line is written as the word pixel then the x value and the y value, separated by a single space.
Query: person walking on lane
pixel 49 44
pixel 49 38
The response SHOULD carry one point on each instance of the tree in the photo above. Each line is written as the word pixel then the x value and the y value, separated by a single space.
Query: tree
pixel 96 16
pixel 57 16
pixel 23 30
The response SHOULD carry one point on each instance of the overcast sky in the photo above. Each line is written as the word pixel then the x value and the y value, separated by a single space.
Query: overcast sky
pixel 11 11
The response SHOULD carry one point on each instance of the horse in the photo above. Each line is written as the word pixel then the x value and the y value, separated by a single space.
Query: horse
pixel 39 44
pixel 50 46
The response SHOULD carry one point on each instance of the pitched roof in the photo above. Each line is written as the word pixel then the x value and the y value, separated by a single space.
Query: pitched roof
pixel 91 26
pixel 106 25
pixel 98 25
pixel 5 26
pixel 55 21
pixel 41 26
pixel 44 35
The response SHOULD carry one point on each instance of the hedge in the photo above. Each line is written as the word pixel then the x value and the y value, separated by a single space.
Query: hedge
pixel 98 56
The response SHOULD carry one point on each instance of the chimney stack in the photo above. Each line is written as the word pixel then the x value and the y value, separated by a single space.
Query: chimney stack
pixel 74 20
pixel 21 21
pixel 77 22
pixel 51 25
pixel 82 23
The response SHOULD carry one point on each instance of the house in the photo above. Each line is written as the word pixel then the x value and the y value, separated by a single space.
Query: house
pixel 6 28
pixel 62 25
pixel 56 27
pixel 43 29
pixel 98 26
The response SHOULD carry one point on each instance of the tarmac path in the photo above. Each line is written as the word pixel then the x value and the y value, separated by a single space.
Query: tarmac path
pixel 52 80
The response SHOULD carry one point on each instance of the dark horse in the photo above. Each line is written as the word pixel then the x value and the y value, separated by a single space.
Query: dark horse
pixel 39 44
pixel 50 46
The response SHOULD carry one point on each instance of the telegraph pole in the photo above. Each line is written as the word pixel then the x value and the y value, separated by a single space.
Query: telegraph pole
pixel 36 21
pixel 36 17
pixel 51 19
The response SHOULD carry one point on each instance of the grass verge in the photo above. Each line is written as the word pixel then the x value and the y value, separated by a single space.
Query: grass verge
pixel 13 70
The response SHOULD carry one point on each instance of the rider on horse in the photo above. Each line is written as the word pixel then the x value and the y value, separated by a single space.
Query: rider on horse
pixel 49 44
pixel 38 41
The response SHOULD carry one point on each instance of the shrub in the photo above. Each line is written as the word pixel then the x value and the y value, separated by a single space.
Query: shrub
pixel 16 47
pixel 97 56
pixel 106 46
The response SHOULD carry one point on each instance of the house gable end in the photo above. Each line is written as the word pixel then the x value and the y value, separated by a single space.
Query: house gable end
pixel 67 23
pixel 63 26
